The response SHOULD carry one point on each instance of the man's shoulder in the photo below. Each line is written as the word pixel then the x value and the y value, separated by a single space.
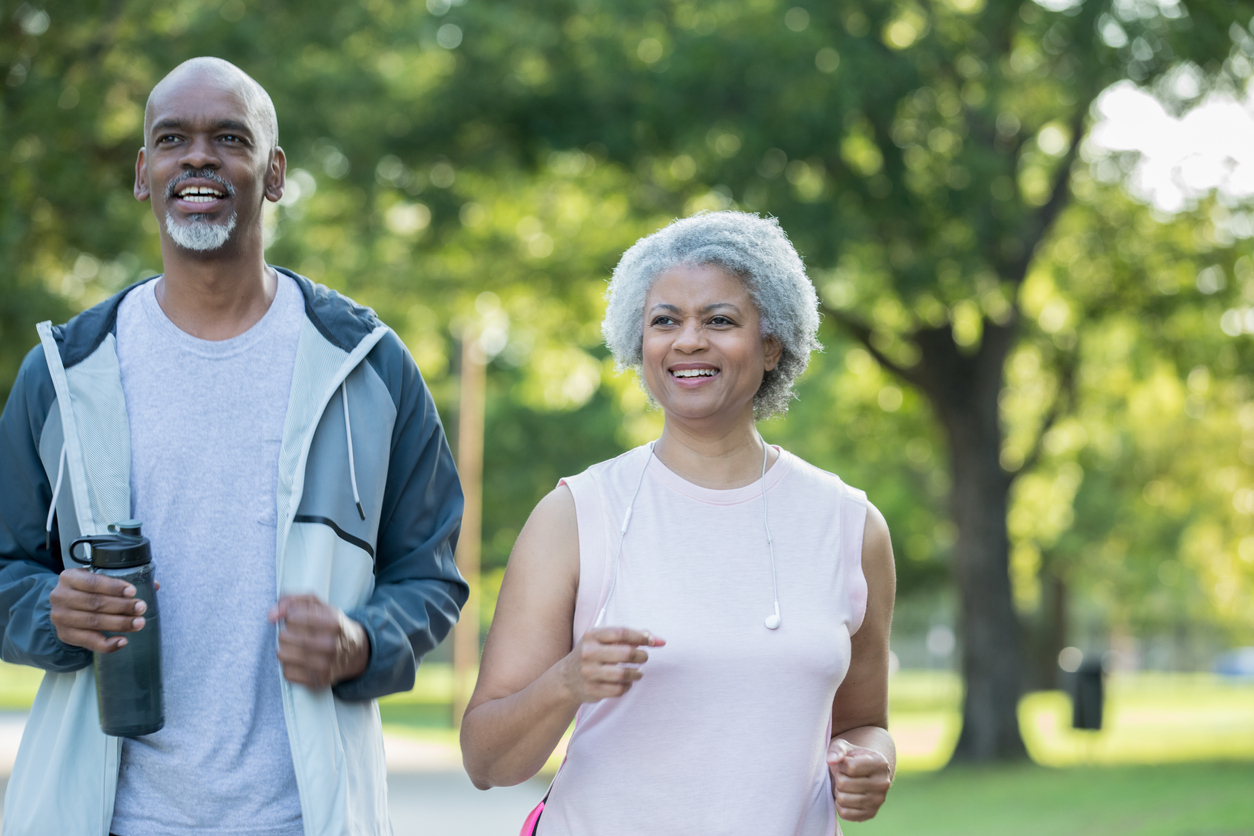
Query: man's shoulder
pixel 79 337
pixel 345 323
pixel 33 384
pixel 341 320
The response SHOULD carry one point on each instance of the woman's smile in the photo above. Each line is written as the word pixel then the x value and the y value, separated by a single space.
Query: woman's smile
pixel 703 350
pixel 693 375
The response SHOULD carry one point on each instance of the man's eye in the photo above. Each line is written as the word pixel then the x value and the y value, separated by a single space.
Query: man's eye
pixel 167 138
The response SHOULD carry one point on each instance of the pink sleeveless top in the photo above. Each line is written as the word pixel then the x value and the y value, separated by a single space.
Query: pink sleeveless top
pixel 728 730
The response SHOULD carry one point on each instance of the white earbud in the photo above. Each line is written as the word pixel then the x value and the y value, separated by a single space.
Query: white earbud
pixel 772 621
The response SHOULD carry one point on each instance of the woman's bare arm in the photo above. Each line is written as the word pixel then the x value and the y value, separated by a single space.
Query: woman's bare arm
pixel 531 680
pixel 862 756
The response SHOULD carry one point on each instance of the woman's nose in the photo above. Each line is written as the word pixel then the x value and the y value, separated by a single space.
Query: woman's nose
pixel 691 337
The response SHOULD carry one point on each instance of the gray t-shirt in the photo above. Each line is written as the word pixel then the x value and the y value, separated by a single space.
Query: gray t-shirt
pixel 206 422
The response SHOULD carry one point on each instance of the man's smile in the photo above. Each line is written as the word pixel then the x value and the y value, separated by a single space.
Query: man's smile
pixel 198 192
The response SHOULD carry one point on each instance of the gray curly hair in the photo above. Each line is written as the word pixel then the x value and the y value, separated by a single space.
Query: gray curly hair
pixel 754 249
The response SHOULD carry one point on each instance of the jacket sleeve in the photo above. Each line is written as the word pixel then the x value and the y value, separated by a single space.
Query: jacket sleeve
pixel 28 568
pixel 418 590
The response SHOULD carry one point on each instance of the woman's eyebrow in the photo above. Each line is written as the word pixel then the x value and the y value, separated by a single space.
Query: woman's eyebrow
pixel 707 309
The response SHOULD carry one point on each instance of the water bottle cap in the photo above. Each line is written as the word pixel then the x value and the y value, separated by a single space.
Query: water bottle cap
pixel 126 547
pixel 131 528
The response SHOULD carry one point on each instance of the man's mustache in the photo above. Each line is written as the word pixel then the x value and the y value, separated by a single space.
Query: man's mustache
pixel 201 174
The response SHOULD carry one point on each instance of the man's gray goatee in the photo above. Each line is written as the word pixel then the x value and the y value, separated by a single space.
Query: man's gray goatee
pixel 198 234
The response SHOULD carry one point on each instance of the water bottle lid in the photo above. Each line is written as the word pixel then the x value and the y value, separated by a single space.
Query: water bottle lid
pixel 122 549
pixel 128 527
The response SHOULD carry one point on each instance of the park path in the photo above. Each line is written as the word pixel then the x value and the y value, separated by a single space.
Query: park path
pixel 428 793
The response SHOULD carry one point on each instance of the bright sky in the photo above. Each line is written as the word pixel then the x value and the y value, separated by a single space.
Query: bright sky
pixel 1210 147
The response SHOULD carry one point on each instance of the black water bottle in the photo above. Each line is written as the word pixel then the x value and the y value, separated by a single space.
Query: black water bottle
pixel 128 680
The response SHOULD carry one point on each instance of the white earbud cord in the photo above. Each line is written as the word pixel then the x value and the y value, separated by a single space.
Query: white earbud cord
pixel 622 535
pixel 772 621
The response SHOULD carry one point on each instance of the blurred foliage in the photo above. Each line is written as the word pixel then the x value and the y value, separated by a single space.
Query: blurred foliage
pixel 1138 496
pixel 458 161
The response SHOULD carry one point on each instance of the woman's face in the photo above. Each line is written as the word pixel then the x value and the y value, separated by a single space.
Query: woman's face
pixel 704 355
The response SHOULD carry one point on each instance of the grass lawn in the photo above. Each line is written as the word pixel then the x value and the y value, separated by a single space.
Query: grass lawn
pixel 1199 799
pixel 1149 718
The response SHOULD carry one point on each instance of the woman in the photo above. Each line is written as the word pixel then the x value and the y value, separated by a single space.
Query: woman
pixel 714 610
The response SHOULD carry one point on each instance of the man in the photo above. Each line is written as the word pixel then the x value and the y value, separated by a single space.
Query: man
pixel 286 461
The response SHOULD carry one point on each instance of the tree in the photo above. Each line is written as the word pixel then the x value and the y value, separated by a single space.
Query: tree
pixel 453 160
pixel 919 156
pixel 1138 500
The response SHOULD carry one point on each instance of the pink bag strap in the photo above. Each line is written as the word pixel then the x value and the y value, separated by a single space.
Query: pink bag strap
pixel 533 818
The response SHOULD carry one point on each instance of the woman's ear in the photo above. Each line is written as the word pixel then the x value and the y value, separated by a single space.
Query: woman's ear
pixel 774 351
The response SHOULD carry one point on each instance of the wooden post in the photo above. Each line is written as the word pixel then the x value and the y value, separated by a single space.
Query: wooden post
pixel 470 468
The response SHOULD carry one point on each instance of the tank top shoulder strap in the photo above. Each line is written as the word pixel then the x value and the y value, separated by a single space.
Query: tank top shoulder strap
pixel 593 549
pixel 602 494
pixel 853 504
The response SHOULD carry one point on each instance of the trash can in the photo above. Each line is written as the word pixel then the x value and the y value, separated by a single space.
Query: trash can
pixel 1087 695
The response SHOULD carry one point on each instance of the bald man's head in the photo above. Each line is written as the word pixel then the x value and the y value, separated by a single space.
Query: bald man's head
pixel 227 76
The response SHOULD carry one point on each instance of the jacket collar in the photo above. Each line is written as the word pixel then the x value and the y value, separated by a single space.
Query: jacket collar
pixel 343 322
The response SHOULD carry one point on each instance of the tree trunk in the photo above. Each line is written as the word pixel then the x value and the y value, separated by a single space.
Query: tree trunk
pixel 964 390
pixel 1049 632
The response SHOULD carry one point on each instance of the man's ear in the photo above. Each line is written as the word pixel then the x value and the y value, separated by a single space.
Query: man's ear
pixel 774 351
pixel 142 192
pixel 276 175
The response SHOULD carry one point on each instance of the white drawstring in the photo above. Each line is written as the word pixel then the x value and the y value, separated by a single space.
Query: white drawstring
pixel 56 491
pixel 348 432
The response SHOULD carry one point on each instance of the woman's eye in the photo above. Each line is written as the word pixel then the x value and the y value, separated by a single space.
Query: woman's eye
pixel 721 320
pixel 662 320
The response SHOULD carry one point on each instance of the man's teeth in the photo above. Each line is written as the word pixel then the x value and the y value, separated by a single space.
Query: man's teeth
pixel 200 194
pixel 695 372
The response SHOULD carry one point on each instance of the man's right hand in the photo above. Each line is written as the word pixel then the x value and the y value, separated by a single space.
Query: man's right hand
pixel 85 604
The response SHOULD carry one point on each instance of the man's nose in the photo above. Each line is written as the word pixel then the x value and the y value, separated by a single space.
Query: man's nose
pixel 200 153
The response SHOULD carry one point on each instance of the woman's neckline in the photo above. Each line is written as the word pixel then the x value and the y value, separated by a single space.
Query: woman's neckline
pixel 720 496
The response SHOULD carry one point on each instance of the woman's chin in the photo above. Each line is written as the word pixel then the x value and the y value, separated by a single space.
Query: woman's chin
pixel 703 410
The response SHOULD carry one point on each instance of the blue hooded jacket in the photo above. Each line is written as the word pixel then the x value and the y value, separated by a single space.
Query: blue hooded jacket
pixel 65 460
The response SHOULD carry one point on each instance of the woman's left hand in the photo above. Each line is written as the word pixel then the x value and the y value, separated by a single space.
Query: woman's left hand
pixel 860 779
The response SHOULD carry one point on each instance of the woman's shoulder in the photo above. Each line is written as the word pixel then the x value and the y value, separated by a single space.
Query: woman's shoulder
pixel 610 470
pixel 815 481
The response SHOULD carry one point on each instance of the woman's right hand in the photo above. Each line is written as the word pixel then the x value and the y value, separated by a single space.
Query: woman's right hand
pixel 605 662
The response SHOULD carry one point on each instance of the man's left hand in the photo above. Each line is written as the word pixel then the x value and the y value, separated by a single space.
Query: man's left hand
pixel 319 645
pixel 860 779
